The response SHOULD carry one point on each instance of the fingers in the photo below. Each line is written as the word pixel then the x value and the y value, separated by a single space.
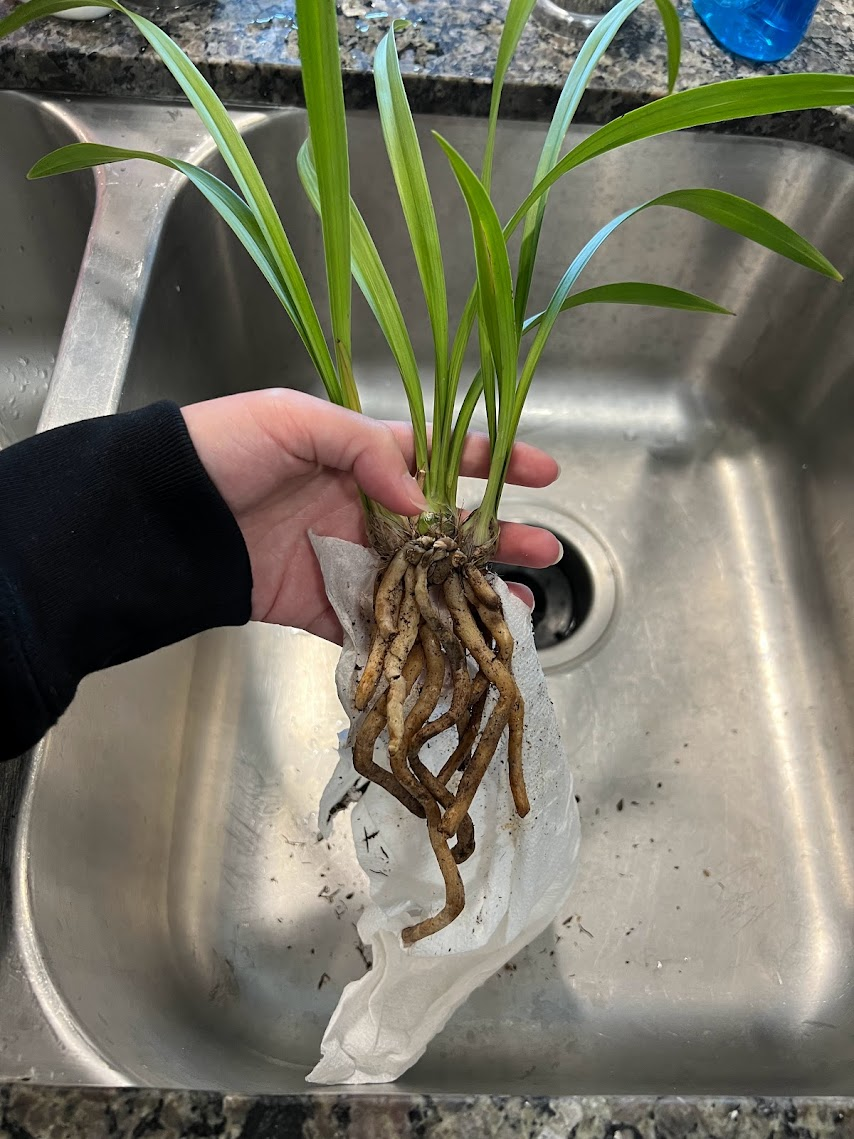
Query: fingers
pixel 521 545
pixel 522 592
pixel 346 441
pixel 529 466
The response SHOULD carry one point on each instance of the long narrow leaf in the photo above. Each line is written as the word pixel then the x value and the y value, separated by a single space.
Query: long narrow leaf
pixel 324 100
pixel 592 50
pixel 753 222
pixel 229 205
pixel 494 277
pixel 622 293
pixel 673 32
pixel 413 190
pixel 458 352
pixel 236 155
pixel 739 215
pixel 461 427
pixel 373 281
pixel 518 14
pixel 634 293
pixel 713 103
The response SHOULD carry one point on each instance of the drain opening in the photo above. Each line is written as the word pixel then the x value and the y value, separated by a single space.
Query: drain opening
pixel 563 594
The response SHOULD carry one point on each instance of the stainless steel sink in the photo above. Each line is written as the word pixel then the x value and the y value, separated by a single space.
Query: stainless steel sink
pixel 176 919
pixel 42 236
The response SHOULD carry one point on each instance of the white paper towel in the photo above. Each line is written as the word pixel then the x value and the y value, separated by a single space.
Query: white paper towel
pixel 516 882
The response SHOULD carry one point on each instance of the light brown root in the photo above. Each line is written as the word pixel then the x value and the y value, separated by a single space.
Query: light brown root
pixel 460 698
pixel 462 752
pixel 399 650
pixel 409 781
pixel 431 690
pixel 435 637
pixel 518 789
pixel 387 598
pixel 500 676
pixel 504 643
pixel 414 642
pixel 371 673
pixel 369 732
pixel 464 847
pixel 484 592
pixel 387 604
pixel 455 894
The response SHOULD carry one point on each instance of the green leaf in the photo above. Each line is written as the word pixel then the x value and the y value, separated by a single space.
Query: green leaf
pixel 324 100
pixel 634 293
pixel 496 309
pixel 239 161
pixel 229 205
pixel 592 50
pixel 458 352
pixel 518 14
pixel 494 277
pixel 737 214
pixel 410 177
pixel 714 103
pixel 461 427
pixel 373 281
pixel 673 32
pixel 753 222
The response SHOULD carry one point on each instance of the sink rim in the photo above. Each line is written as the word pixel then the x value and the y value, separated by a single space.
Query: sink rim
pixel 21 870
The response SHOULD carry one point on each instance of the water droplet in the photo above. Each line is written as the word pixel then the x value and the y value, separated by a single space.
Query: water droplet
pixel 177 288
pixel 23 361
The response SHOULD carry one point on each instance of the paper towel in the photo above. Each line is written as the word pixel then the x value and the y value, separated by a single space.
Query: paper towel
pixel 516 882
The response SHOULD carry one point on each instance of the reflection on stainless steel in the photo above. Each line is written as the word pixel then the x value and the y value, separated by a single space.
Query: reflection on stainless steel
pixel 42 234
pixel 177 922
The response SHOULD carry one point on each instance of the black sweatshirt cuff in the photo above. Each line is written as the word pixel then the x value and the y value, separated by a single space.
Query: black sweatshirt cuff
pixel 114 542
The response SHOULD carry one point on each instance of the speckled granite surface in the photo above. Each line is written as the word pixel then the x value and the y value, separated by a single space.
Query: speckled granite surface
pixel 34 1113
pixel 248 50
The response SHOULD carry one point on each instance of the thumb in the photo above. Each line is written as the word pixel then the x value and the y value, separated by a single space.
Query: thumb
pixel 348 441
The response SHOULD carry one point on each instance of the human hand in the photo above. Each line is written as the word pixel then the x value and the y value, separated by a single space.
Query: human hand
pixel 288 463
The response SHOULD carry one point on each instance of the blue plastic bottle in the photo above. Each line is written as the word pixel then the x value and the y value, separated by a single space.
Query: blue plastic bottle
pixel 764 30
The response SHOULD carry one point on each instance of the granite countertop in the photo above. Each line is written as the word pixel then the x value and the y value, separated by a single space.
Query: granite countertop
pixel 248 50
pixel 45 1113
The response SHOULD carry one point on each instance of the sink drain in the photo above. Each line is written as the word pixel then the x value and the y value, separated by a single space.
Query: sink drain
pixel 574 601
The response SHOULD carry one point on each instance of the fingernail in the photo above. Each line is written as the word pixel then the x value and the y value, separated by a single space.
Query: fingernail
pixel 559 558
pixel 416 495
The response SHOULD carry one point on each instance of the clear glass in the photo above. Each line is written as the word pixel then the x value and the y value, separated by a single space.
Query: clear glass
pixel 763 30
pixel 567 16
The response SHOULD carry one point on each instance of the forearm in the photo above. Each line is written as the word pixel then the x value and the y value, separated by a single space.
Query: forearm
pixel 113 543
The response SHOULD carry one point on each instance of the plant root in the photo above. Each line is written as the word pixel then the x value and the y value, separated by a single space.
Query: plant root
pixel 414 648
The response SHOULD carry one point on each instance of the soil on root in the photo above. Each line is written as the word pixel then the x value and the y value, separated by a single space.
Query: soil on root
pixel 412 652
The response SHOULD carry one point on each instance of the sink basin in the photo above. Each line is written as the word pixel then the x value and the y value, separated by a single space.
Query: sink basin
pixel 42 237
pixel 179 921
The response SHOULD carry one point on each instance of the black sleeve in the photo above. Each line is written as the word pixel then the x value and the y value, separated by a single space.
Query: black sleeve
pixel 113 542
